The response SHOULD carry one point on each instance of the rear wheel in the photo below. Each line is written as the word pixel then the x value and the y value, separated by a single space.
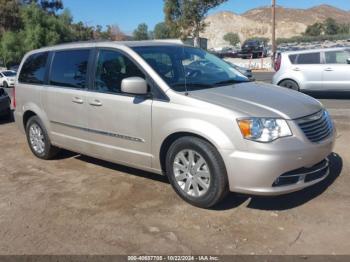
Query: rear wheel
pixel 196 172
pixel 38 139
pixel 290 84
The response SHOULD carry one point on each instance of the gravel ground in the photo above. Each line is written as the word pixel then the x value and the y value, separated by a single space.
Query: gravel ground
pixel 79 205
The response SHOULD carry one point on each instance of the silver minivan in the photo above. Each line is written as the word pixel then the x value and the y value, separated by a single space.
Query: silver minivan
pixel 314 70
pixel 176 110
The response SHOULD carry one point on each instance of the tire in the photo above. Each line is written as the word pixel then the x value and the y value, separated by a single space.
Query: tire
pixel 39 143
pixel 202 185
pixel 290 84
pixel 5 84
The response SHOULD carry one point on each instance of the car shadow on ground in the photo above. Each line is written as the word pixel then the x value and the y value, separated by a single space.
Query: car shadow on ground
pixel 291 200
pixel 124 169
pixel 233 200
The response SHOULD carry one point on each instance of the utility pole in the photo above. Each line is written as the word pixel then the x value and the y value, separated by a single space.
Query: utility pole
pixel 273 30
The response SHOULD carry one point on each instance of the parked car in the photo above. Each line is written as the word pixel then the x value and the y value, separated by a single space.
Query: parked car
pixel 254 49
pixel 5 104
pixel 245 71
pixel 141 104
pixel 7 78
pixel 314 70
pixel 226 52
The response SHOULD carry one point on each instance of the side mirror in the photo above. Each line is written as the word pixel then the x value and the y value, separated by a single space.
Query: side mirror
pixel 348 61
pixel 134 85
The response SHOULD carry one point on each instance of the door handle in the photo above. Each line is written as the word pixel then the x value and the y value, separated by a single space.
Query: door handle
pixel 328 69
pixel 296 69
pixel 96 103
pixel 78 100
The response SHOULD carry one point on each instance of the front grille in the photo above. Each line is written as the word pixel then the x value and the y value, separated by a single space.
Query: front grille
pixel 304 174
pixel 316 127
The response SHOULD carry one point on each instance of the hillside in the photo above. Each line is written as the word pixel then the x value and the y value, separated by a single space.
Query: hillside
pixel 304 16
pixel 257 22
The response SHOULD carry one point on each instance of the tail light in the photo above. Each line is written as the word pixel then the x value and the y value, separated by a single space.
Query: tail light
pixel 14 97
pixel 278 62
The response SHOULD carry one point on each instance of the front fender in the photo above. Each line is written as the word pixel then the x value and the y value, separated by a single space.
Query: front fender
pixel 198 127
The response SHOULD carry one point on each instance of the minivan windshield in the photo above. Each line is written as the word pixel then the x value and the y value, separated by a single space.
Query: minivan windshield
pixel 188 69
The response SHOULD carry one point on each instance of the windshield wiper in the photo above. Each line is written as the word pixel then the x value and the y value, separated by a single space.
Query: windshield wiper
pixel 192 85
pixel 229 81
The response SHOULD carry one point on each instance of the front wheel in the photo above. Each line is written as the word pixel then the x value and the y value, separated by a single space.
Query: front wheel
pixel 290 84
pixel 197 172
pixel 5 84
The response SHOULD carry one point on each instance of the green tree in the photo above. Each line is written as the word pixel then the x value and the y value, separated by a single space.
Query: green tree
pixel 331 27
pixel 232 38
pixel 9 15
pixel 141 32
pixel 162 31
pixel 49 6
pixel 344 29
pixel 187 16
pixel 315 29
pixel 11 49
pixel 39 28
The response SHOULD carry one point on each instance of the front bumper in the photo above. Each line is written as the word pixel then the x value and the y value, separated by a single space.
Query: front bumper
pixel 258 170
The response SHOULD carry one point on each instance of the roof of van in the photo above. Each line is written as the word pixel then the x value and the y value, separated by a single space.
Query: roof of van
pixel 316 50
pixel 165 42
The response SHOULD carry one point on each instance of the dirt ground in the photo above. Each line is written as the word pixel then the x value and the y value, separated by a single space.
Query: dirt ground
pixel 80 205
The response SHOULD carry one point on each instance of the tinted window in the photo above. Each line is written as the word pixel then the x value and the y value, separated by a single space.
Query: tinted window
pixel 112 68
pixel 310 58
pixel 337 57
pixel 33 69
pixel 69 68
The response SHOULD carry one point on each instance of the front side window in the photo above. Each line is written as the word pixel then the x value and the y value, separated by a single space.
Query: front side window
pixel 337 57
pixel 309 59
pixel 69 68
pixel 187 69
pixel 112 68
pixel 33 69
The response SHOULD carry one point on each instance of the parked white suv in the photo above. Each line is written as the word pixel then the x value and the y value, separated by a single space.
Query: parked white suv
pixel 176 110
pixel 7 78
pixel 314 70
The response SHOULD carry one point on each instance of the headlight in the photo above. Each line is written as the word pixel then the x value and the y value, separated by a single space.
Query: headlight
pixel 264 129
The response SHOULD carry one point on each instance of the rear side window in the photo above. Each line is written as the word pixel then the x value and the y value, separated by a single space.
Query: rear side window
pixel 33 69
pixel 293 59
pixel 309 59
pixel 69 68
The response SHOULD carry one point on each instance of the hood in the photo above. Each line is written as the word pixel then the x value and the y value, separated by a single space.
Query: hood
pixel 260 100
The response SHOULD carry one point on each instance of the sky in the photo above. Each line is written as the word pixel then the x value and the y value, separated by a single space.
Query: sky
pixel 127 14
